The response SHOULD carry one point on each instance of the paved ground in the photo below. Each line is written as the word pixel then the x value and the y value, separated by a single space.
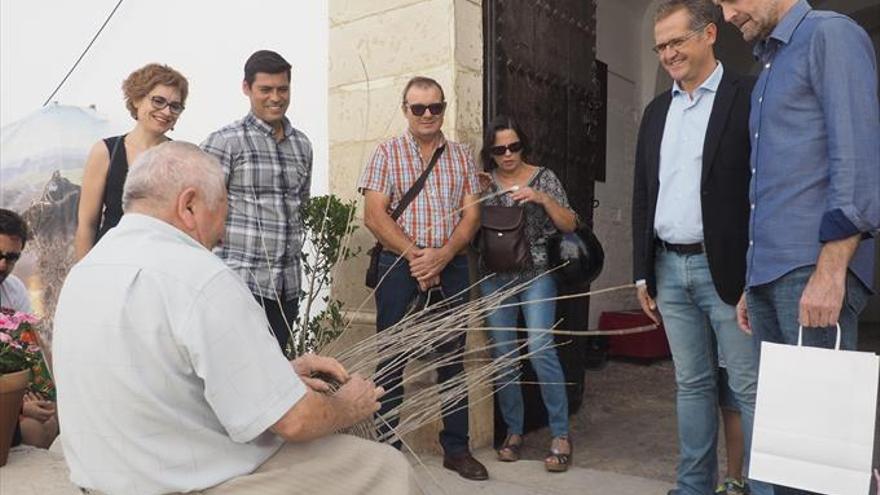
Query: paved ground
pixel 38 472
pixel 529 478
pixel 623 437
pixel 627 422
pixel 624 440
pixel 622 447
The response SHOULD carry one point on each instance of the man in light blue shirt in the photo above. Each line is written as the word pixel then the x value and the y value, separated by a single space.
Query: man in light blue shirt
pixel 690 219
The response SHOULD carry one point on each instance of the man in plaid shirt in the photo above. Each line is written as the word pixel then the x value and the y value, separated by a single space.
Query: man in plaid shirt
pixel 431 235
pixel 268 167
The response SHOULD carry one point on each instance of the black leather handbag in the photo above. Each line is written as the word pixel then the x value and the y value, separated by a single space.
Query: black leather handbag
pixel 503 242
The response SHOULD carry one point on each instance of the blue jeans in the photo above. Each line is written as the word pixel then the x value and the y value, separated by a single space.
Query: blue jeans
pixel 393 296
pixel 773 316
pixel 544 359
pixel 699 325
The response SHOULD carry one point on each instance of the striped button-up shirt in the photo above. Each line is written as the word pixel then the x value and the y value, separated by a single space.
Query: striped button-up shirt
pixel 432 216
pixel 267 181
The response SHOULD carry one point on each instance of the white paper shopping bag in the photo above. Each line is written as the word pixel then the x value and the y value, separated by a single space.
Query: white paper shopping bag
pixel 814 418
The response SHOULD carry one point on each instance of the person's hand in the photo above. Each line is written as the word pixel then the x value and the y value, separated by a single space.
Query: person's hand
pixel 427 263
pixel 29 396
pixel 649 306
pixel 822 299
pixel 485 179
pixel 308 365
pixel 742 315
pixel 528 195
pixel 426 284
pixel 40 410
pixel 359 398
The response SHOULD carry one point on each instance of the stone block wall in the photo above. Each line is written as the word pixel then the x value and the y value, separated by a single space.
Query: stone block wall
pixel 375 48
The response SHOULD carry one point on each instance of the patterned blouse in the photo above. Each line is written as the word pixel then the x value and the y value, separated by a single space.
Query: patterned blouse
pixel 539 226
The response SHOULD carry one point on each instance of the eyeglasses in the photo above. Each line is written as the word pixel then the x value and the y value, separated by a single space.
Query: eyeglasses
pixel 160 102
pixel 513 147
pixel 677 43
pixel 11 257
pixel 418 109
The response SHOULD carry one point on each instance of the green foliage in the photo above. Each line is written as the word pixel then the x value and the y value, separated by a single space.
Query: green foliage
pixel 328 225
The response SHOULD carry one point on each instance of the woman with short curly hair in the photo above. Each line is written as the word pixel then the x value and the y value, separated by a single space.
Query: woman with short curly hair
pixel 155 96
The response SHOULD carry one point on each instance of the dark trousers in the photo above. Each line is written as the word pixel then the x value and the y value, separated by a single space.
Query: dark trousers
pixel 393 296
pixel 276 314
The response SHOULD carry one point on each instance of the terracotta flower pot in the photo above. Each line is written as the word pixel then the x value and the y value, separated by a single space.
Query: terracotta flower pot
pixel 12 389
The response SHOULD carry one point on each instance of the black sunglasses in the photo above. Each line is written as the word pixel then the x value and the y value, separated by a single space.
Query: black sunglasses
pixel 418 109
pixel 159 103
pixel 10 257
pixel 514 147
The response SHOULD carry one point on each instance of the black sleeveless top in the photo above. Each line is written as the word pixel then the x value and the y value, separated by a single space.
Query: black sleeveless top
pixel 116 174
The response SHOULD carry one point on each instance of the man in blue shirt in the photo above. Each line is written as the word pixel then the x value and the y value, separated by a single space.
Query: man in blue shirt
pixel 815 188
pixel 690 222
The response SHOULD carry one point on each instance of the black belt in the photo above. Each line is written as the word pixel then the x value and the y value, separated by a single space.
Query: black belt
pixel 696 248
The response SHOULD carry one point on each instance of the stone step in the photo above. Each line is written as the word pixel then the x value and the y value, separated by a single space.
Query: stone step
pixel 33 471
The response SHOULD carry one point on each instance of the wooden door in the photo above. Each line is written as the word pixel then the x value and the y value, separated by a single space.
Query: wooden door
pixel 540 68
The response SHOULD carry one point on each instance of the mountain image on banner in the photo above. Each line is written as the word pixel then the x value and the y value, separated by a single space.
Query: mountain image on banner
pixel 53 138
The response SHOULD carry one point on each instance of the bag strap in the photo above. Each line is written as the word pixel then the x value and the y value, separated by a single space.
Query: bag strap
pixel 116 141
pixel 532 181
pixel 801 337
pixel 416 188
pixel 537 176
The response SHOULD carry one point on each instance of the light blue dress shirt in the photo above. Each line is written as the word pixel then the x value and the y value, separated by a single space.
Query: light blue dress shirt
pixel 679 216
pixel 815 133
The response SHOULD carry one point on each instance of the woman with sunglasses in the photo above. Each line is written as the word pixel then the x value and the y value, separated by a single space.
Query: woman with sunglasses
pixel 509 180
pixel 155 96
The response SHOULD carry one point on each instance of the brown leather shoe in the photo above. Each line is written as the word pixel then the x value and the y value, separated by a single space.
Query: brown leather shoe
pixel 466 466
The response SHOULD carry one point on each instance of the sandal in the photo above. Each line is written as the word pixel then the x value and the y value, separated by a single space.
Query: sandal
pixel 557 461
pixel 509 451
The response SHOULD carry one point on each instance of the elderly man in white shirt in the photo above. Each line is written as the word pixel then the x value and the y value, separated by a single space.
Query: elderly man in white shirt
pixel 169 379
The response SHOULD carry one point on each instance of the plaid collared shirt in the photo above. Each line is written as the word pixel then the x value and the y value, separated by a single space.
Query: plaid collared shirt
pixel 267 181
pixel 432 216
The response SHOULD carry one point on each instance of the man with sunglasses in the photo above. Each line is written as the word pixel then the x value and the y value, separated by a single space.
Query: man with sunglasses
pixel 37 424
pixel 425 247
pixel 268 166
pixel 13 236
pixel 690 219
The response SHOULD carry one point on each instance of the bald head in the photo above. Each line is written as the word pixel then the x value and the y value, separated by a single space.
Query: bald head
pixel 179 183
pixel 162 172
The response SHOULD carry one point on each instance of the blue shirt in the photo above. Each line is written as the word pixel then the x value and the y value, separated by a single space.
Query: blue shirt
pixel 679 215
pixel 815 133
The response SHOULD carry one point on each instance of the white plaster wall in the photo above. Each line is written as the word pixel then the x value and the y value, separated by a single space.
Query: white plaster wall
pixel 375 47
pixel 619 45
